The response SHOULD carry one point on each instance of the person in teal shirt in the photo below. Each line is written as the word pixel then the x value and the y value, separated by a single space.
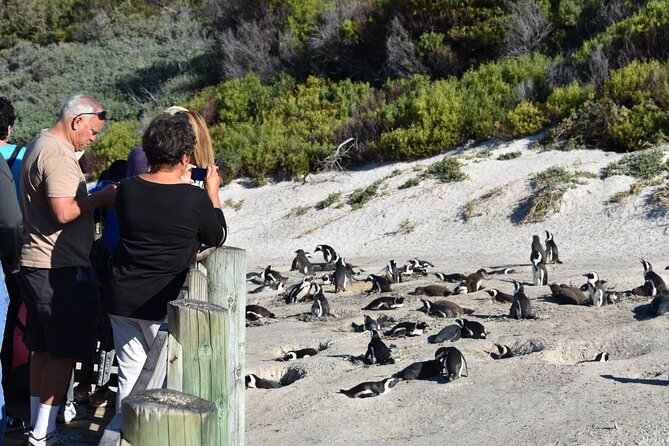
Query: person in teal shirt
pixel 12 153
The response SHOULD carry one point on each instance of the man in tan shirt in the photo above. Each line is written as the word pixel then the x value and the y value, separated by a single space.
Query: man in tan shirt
pixel 56 277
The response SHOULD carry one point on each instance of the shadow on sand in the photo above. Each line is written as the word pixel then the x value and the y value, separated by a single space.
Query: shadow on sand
pixel 651 382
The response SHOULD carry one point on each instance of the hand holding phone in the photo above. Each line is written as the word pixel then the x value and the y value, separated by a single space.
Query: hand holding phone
pixel 198 174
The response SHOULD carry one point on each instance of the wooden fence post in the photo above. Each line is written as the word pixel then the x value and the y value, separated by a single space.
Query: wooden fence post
pixel 200 328
pixel 170 418
pixel 226 286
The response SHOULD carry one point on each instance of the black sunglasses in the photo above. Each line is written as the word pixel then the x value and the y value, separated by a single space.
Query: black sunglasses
pixel 102 115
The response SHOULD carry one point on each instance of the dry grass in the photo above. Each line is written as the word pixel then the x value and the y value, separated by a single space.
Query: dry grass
pixel 470 209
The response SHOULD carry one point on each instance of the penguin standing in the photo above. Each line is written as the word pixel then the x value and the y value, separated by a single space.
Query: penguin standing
pixel 521 307
pixel 377 351
pixel 370 389
pixel 329 254
pixel 321 306
pixel 298 291
pixel 342 275
pixel 454 363
pixel 538 260
pixel 380 284
pixel 393 272
pixel 660 304
pixel 649 274
pixel 595 290
pixel 552 255
pixel 301 263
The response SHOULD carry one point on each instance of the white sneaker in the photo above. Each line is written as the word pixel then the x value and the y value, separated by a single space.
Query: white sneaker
pixel 70 412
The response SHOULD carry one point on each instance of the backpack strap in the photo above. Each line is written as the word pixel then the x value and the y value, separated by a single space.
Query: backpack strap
pixel 13 156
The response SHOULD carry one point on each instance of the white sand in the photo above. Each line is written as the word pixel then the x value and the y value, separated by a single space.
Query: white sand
pixel 545 397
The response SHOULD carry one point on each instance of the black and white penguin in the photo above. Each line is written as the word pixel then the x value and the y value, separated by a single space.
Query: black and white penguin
pixel 256 382
pixel 649 274
pixel 461 288
pixel 454 363
pixel 502 271
pixel 452 278
pixel 503 352
pixel 595 289
pixel 377 351
pixel 599 357
pixel 499 296
pixel 432 291
pixel 471 329
pixel 420 266
pixel 321 306
pixel 393 272
pixel 521 307
pixel 370 389
pixel 272 276
pixel 274 286
pixel 568 295
pixel 537 253
pixel 255 277
pixel 329 254
pixel 255 312
pixel 539 274
pixel 299 354
pixel 298 291
pixel 380 284
pixel 421 370
pixel 302 263
pixel 450 333
pixel 407 329
pixel 441 308
pixel 342 275
pixel 660 304
pixel 385 303
pixel 552 255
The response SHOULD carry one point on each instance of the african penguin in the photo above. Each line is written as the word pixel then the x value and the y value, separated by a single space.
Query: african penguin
pixel 454 363
pixel 271 276
pixel 537 254
pixel 393 272
pixel 421 370
pixel 551 249
pixel 597 295
pixel 370 389
pixel 377 351
pixel 432 291
pixel 301 263
pixel 471 329
pixel 660 304
pixel 255 312
pixel 342 276
pixel 407 329
pixel 256 382
pixel 475 280
pixel 502 271
pixel 453 278
pixel 499 296
pixel 503 352
pixel 441 308
pixel 649 274
pixel 298 291
pixel 448 333
pixel 321 306
pixel 329 254
pixel 385 303
pixel 298 354
pixel 380 284
pixel 273 286
pixel 521 307
pixel 540 274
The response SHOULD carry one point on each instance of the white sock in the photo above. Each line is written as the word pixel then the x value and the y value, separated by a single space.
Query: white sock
pixel 46 421
pixel 34 410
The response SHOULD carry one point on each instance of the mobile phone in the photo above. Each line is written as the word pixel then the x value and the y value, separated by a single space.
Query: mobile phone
pixel 198 174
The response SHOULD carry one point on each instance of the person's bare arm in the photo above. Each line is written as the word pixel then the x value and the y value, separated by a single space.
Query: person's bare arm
pixel 67 209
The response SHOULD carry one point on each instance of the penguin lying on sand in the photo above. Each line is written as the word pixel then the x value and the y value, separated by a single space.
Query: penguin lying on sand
pixel 370 389
pixel 448 333
pixel 377 351
pixel 255 312
pixel 432 291
pixel 256 382
pixel 503 352
pixel 407 329
pixel 471 329
pixel 385 303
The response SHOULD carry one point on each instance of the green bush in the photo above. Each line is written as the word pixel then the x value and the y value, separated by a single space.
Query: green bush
pixel 411 182
pixel 525 119
pixel 446 170
pixel 118 139
pixel 509 155
pixel 641 164
pixel 563 100
pixel 549 188
pixel 360 197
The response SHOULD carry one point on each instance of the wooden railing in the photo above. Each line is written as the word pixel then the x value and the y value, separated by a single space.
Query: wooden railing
pixel 201 354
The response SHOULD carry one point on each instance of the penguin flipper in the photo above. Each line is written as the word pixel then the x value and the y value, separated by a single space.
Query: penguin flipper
pixel 464 371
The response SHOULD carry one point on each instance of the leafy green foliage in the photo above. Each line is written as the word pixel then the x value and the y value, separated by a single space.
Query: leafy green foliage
pixel 360 197
pixel 120 138
pixel 471 207
pixel 446 170
pixel 549 188
pixel 331 199
pixel 525 119
pixel 411 182
pixel 509 155
pixel 563 100
pixel 642 164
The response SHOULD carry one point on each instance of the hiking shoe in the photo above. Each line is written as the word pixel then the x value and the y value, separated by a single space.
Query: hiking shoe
pixel 55 438
pixel 70 412
pixel 15 424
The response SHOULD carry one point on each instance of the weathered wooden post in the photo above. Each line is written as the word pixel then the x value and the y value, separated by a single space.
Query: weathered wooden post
pixel 200 328
pixel 226 286
pixel 170 418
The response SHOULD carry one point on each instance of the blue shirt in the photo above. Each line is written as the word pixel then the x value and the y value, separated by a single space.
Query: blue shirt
pixel 6 152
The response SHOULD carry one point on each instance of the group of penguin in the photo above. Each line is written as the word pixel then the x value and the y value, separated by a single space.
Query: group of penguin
pixel 448 362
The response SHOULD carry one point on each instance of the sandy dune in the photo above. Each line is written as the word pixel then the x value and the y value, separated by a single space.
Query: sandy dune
pixel 545 394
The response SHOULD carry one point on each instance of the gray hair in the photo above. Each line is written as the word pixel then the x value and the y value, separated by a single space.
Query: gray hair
pixel 79 104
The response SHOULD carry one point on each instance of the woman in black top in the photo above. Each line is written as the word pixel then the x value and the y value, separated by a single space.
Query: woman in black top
pixel 163 220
